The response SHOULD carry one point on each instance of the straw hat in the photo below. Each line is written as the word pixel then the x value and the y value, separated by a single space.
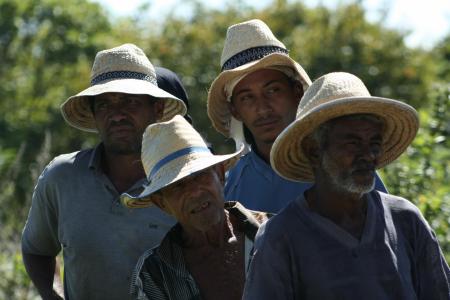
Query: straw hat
pixel 336 95
pixel 123 69
pixel 249 46
pixel 171 151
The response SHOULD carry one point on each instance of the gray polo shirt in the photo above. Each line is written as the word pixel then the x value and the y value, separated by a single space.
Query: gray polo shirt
pixel 76 209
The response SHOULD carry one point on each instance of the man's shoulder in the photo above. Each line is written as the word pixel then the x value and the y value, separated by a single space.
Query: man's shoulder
pixel 69 161
pixel 236 170
pixel 284 221
pixel 404 213
pixel 397 204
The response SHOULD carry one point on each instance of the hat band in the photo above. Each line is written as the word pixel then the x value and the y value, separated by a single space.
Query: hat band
pixel 123 75
pixel 175 155
pixel 251 54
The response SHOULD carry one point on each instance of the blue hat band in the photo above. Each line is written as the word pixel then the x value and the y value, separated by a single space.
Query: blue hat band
pixel 174 155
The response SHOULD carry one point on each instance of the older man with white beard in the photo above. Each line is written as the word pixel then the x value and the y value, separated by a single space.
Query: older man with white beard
pixel 341 239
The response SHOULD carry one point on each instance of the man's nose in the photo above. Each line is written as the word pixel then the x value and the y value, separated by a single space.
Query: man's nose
pixel 263 106
pixel 117 114
pixel 369 152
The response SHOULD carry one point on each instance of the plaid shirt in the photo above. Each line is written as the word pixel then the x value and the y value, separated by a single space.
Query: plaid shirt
pixel 162 273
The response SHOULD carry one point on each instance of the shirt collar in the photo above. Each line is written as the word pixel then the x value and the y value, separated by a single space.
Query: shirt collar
pixel 96 158
pixel 261 166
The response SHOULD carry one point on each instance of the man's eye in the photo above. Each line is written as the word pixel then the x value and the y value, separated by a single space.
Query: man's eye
pixel 100 106
pixel 245 98
pixel 272 90
pixel 133 101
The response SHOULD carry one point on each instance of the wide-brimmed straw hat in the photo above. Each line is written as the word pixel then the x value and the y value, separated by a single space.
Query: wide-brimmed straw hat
pixel 171 151
pixel 124 69
pixel 336 95
pixel 249 46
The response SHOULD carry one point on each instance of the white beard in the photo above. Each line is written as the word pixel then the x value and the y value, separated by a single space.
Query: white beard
pixel 343 181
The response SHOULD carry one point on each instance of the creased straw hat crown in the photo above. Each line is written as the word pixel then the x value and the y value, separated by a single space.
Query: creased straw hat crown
pixel 248 35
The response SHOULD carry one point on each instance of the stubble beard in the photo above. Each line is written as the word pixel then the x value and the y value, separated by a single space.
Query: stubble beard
pixel 344 181
pixel 124 147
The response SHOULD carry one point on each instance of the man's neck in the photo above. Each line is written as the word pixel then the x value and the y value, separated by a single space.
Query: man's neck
pixel 263 150
pixel 218 269
pixel 345 209
pixel 215 237
pixel 123 170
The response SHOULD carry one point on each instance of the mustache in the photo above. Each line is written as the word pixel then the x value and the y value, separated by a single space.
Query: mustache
pixel 363 166
pixel 265 120
pixel 124 122
pixel 194 202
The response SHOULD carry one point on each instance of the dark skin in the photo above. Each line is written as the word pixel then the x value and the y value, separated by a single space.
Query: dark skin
pixel 354 147
pixel 121 120
pixel 266 102
pixel 212 246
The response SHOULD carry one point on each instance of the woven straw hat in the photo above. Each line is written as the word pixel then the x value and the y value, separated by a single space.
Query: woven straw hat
pixel 335 95
pixel 249 46
pixel 171 151
pixel 123 69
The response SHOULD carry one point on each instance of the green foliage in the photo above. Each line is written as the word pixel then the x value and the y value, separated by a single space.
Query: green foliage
pixel 46 49
pixel 46 52
pixel 422 174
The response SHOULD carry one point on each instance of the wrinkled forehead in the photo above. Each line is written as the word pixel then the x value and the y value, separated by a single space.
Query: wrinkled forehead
pixel 120 97
pixel 191 179
pixel 370 118
pixel 357 124
pixel 258 77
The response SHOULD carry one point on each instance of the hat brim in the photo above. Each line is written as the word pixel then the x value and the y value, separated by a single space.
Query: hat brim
pixel 175 171
pixel 400 120
pixel 217 105
pixel 77 112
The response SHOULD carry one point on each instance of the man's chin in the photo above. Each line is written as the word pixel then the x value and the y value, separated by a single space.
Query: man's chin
pixel 360 187
pixel 123 149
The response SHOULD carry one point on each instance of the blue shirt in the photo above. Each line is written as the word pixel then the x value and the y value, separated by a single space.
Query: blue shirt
pixel 300 254
pixel 255 185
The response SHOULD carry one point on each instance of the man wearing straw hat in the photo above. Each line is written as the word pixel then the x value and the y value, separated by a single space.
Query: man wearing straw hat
pixel 252 100
pixel 342 239
pixel 205 255
pixel 76 207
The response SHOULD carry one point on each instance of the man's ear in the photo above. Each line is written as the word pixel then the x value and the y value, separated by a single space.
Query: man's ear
pixel 298 90
pixel 220 171
pixel 234 111
pixel 158 200
pixel 311 149
pixel 159 108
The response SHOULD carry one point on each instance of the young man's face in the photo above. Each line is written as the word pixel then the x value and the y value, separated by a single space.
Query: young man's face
pixel 197 200
pixel 351 153
pixel 121 120
pixel 266 102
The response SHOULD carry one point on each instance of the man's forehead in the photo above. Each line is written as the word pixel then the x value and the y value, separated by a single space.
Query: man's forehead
pixel 355 124
pixel 118 96
pixel 262 77
pixel 190 177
